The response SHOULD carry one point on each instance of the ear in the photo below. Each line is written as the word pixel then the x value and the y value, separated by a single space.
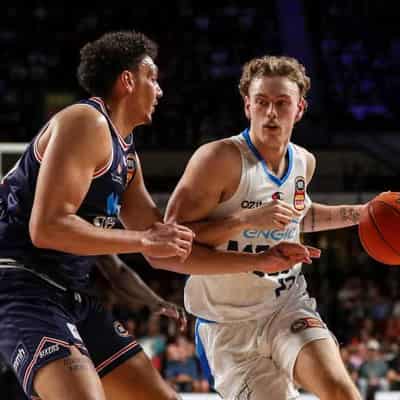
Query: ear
pixel 127 81
pixel 301 108
pixel 247 107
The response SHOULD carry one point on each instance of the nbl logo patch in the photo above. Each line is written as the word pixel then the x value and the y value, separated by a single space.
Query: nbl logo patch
pixel 299 193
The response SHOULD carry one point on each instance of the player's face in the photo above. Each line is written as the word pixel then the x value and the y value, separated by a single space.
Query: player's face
pixel 273 106
pixel 147 90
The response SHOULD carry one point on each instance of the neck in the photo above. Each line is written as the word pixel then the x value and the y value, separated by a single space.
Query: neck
pixel 273 155
pixel 117 110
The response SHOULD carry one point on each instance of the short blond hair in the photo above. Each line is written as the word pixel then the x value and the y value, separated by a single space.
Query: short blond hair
pixel 274 66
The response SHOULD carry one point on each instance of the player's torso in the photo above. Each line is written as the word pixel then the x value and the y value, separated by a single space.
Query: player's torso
pixel 246 296
pixel 100 207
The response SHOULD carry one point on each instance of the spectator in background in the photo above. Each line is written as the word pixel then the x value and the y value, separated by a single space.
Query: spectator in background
pixel 154 342
pixel 182 369
pixel 351 368
pixel 393 374
pixel 373 372
pixel 357 352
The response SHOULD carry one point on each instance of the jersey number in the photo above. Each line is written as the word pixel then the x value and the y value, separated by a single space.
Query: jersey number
pixel 285 283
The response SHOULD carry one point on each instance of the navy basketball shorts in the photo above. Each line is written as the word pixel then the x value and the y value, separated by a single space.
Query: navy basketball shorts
pixel 39 323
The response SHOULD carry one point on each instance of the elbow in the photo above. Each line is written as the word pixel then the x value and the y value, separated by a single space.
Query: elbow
pixel 38 234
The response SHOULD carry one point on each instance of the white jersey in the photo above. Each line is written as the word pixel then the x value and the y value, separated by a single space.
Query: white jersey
pixel 248 296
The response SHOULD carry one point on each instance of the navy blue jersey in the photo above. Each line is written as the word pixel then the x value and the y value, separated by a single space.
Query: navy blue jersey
pixel 100 207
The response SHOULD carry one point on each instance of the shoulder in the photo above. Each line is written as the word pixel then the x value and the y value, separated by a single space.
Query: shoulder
pixel 80 128
pixel 219 153
pixel 81 115
pixel 80 125
pixel 309 159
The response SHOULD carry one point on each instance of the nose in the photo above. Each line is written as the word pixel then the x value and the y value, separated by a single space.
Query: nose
pixel 159 92
pixel 271 110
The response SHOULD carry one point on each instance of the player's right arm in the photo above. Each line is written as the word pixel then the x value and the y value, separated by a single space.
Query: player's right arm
pixel 211 177
pixel 76 144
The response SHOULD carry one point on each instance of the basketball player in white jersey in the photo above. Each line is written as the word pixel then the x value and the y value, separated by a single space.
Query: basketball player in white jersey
pixel 259 335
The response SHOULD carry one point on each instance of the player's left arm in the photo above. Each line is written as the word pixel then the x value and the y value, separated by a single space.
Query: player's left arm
pixel 131 291
pixel 321 217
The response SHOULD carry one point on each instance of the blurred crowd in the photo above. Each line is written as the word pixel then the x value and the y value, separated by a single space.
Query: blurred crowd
pixel 354 47
pixel 358 44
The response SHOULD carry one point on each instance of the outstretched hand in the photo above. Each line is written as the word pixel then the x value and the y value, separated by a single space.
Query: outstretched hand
pixel 172 310
pixel 285 255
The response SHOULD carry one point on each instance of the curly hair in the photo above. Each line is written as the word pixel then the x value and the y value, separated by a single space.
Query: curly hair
pixel 102 60
pixel 274 66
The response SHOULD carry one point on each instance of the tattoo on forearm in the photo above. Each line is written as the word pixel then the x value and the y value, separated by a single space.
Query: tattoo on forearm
pixel 350 214
pixel 76 364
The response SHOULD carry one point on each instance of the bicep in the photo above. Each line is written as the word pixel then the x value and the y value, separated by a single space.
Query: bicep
pixel 200 189
pixel 68 164
pixel 138 211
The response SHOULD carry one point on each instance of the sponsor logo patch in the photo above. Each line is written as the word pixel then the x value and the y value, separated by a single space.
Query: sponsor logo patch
pixel 277 196
pixel 49 350
pixel 120 329
pixel 305 323
pixel 250 204
pixel 19 357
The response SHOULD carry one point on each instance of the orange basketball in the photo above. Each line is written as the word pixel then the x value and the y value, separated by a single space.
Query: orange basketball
pixel 379 228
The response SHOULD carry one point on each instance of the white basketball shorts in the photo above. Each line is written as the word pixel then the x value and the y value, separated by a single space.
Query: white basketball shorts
pixel 254 360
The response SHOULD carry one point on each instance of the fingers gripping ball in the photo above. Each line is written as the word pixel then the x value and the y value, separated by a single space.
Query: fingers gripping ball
pixel 379 228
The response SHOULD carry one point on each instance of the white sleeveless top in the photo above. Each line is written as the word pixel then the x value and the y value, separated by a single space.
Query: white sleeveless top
pixel 247 296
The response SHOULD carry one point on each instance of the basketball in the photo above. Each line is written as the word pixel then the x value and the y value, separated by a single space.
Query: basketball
pixel 379 228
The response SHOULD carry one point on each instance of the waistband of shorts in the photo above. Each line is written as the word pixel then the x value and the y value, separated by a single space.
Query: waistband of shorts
pixel 9 263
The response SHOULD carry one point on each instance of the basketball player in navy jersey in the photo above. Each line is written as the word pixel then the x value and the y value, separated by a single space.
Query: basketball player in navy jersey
pixel 258 334
pixel 78 176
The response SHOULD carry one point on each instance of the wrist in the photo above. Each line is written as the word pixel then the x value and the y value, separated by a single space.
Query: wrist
pixel 259 262
pixel 143 242
pixel 156 303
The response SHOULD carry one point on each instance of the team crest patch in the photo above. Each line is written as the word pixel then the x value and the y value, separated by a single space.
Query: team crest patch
pixel 131 167
pixel 120 329
pixel 299 193
pixel 305 323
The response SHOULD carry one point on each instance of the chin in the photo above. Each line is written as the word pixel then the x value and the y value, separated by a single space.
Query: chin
pixel 147 119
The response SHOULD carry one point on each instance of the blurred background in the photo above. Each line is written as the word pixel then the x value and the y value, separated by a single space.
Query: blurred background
pixel 351 50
